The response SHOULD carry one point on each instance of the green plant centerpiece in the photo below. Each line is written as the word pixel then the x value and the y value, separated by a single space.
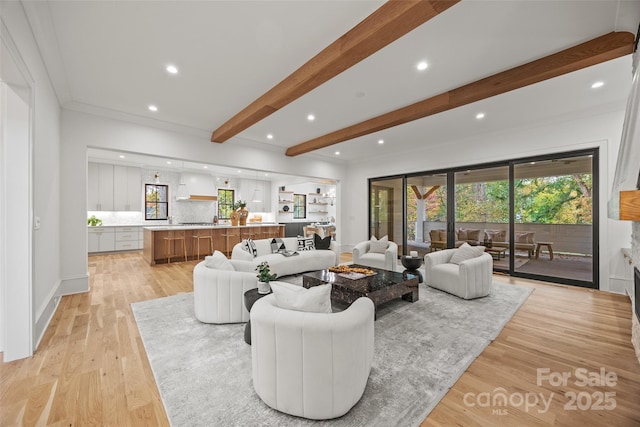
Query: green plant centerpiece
pixel 93 221
pixel 241 206
pixel 264 277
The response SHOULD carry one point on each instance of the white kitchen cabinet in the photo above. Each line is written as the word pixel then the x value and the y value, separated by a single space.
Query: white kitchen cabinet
pixel 100 185
pixel 101 239
pixel 127 192
pixel 248 187
pixel 127 238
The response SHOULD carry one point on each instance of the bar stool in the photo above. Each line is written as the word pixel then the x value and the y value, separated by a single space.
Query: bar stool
pixel 226 235
pixel 172 237
pixel 197 237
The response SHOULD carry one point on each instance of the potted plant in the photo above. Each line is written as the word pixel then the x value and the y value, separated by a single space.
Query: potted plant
pixel 244 213
pixel 93 221
pixel 264 277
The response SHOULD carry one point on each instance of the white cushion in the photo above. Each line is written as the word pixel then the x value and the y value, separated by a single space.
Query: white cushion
pixel 378 246
pixel 465 252
pixel 316 299
pixel 218 261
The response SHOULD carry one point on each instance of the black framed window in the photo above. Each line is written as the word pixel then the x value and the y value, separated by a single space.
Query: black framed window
pixel 299 206
pixel 156 201
pixel 225 203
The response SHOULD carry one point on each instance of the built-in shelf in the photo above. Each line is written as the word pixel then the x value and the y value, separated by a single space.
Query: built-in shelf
pixel 285 201
pixel 319 212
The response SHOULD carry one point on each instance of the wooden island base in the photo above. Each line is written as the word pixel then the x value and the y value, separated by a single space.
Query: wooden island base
pixel 156 249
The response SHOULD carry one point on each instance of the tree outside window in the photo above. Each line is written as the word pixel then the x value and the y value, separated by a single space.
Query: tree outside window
pixel 156 201
pixel 225 203
pixel 299 206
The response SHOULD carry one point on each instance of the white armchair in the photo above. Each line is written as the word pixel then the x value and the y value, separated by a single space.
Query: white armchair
pixel 218 294
pixel 386 261
pixel 469 279
pixel 311 365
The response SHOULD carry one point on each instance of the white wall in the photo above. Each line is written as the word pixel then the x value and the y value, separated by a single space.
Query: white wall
pixel 82 130
pixel 46 167
pixel 602 130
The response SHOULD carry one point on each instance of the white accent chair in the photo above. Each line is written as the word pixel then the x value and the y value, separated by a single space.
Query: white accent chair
pixel 469 279
pixel 218 295
pixel 311 365
pixel 385 261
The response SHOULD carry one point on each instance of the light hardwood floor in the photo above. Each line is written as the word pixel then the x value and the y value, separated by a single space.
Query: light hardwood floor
pixel 91 367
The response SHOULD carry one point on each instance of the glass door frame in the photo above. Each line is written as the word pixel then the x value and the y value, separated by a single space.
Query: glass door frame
pixel 595 223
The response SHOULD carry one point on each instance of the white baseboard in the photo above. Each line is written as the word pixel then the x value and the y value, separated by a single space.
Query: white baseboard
pixel 74 285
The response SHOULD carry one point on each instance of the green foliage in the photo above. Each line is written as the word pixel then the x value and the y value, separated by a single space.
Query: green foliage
pixel 93 221
pixel 264 274
pixel 565 199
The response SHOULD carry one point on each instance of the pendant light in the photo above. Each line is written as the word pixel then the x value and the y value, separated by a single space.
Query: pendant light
pixel 257 195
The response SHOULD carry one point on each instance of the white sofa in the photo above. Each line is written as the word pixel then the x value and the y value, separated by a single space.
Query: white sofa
pixel 283 266
pixel 385 261
pixel 218 295
pixel 311 365
pixel 469 279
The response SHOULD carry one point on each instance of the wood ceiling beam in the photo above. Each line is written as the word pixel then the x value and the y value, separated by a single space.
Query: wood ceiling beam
pixel 391 21
pixel 592 52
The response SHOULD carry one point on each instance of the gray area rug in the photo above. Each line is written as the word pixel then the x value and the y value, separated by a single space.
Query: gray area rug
pixel 203 371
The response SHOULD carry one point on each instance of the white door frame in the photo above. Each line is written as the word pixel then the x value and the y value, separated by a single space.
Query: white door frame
pixel 16 208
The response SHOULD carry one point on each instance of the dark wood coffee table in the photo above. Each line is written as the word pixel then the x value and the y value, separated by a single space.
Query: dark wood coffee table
pixel 382 287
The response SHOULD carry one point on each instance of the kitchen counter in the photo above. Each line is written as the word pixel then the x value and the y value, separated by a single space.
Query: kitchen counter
pixel 197 241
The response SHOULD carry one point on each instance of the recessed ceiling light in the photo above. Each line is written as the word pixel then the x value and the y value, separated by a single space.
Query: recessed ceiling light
pixel 480 116
pixel 311 117
pixel 532 163
pixel 269 136
pixel 205 167
pixel 266 174
pixel 153 108
pixel 168 162
pixel 596 85
pixel 337 153
pixel 121 156
pixel 381 141
pixel 422 65
pixel 239 171
pixel 172 69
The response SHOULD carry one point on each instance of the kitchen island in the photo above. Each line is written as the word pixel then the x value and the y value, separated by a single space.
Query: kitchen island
pixel 163 243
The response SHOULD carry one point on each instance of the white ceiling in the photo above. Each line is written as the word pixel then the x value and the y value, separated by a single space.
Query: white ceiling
pixel 112 55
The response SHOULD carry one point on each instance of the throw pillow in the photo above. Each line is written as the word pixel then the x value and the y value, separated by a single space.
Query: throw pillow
pixel 321 243
pixel 306 243
pixel 461 234
pixel 218 261
pixel 496 235
pixel 465 252
pixel 473 234
pixel 378 246
pixel 250 246
pixel 277 246
pixel 521 237
pixel 316 299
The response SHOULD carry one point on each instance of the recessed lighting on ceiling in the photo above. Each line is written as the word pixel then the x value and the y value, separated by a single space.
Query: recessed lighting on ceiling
pixel 269 136
pixel 480 116
pixel 596 85
pixel 239 171
pixel 311 117
pixel 422 65
pixel 168 162
pixel 153 108
pixel 121 156
pixel 337 153
pixel 532 163
pixel 172 69
pixel 381 141
pixel 266 174
pixel 205 167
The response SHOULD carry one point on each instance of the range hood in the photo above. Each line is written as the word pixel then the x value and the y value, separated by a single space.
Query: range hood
pixel 197 186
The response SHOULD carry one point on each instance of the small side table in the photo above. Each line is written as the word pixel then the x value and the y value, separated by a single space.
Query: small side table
pixel 549 246
pixel 412 265
pixel 250 298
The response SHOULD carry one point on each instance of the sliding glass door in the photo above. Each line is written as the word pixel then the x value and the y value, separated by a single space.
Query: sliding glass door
pixel 426 207
pixel 553 218
pixel 535 216
pixel 482 211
